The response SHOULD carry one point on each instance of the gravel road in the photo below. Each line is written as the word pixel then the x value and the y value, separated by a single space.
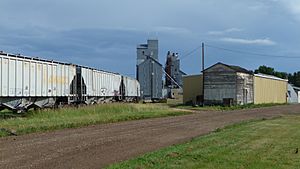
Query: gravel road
pixel 100 145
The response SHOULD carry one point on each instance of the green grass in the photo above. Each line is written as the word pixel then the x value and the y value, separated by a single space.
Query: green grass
pixel 224 108
pixel 47 120
pixel 265 144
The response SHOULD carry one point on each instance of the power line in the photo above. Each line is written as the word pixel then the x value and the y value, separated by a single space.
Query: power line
pixel 191 52
pixel 251 53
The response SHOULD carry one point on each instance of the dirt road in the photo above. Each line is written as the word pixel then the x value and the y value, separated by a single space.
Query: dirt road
pixel 101 145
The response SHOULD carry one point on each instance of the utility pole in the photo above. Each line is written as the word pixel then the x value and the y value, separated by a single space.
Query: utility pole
pixel 202 57
pixel 203 74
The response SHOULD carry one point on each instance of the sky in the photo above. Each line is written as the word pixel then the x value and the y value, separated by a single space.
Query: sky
pixel 104 33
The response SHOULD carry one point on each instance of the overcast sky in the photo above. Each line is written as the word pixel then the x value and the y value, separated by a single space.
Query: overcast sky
pixel 104 33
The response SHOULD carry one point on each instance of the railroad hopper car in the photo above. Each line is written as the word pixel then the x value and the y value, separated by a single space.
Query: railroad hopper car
pixel 30 82
pixel 131 89
pixel 35 83
pixel 98 86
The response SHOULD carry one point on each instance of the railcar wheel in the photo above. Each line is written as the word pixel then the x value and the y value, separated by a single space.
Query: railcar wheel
pixel 21 110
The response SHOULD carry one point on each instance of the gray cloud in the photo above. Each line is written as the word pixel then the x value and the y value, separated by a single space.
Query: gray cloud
pixel 104 34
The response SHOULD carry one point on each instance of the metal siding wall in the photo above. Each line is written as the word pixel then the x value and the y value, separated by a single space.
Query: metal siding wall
pixel 45 80
pixel 64 81
pixel 39 80
pixel 66 90
pixel 157 87
pixel 269 91
pixel 5 76
pixel 85 78
pixel 96 84
pixel 19 78
pixel 138 88
pixel 144 78
pixel 59 80
pixel 103 80
pixel 131 87
pixel 109 85
pixel 90 82
pixel 115 89
pixel 26 82
pixel 32 79
pixel 54 79
pixel 27 77
pixel 12 77
pixel 93 72
pixel 100 83
pixel 125 82
pixel 192 87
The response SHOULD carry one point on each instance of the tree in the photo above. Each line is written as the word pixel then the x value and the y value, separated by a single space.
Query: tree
pixel 265 70
pixel 294 78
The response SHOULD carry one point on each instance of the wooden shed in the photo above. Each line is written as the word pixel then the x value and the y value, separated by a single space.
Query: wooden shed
pixel 227 84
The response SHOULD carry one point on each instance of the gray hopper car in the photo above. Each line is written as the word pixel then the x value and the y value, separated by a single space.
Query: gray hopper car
pixel 98 86
pixel 131 88
pixel 27 82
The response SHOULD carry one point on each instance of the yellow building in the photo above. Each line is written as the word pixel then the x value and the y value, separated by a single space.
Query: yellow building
pixel 192 88
pixel 259 88
pixel 269 89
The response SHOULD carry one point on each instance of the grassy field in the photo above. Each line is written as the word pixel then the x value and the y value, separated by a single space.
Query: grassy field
pixel 224 108
pixel 261 144
pixel 46 120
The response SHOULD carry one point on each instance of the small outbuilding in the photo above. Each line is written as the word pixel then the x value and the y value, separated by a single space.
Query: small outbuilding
pixel 227 85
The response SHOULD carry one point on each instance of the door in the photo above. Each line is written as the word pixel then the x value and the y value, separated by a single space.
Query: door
pixel 245 96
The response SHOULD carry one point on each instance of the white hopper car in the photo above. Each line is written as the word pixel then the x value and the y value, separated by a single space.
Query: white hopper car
pixel 27 82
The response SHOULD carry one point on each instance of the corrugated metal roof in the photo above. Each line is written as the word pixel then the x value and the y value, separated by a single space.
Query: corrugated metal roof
pixel 295 87
pixel 233 67
pixel 269 77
